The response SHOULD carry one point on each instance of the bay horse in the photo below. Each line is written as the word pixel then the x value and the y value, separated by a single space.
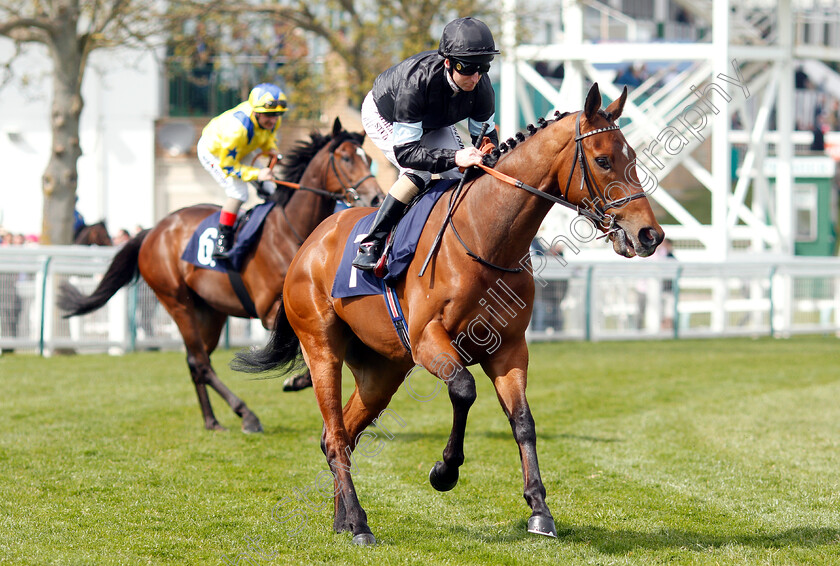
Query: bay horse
pixel 93 235
pixel 452 321
pixel 200 300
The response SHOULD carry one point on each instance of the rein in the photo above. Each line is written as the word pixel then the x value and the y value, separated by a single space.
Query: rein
pixel 348 193
pixel 599 215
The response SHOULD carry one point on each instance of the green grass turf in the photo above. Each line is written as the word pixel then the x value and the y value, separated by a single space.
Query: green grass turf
pixel 681 452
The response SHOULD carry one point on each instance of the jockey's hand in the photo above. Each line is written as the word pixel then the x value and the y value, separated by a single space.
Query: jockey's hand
pixel 468 157
pixel 265 174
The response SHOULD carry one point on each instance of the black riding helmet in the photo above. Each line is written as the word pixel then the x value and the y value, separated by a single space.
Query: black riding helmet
pixel 468 40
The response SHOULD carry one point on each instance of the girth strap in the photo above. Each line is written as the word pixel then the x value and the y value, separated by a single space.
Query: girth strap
pixel 242 293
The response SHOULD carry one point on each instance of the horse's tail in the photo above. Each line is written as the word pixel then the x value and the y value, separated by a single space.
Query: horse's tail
pixel 121 272
pixel 282 351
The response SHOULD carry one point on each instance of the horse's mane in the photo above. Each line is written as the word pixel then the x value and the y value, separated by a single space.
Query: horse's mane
pixel 295 162
pixel 531 129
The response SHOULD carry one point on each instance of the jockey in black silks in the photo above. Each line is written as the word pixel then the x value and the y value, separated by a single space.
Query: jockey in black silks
pixel 410 115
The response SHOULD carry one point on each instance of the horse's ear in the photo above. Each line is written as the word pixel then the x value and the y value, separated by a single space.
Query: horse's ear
pixel 616 107
pixel 336 127
pixel 593 102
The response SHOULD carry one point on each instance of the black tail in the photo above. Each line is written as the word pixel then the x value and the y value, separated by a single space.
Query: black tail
pixel 282 351
pixel 121 272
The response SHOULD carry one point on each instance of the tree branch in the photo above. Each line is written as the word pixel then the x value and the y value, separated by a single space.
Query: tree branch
pixel 27 29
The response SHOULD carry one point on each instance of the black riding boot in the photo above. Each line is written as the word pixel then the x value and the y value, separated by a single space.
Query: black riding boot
pixel 370 249
pixel 224 242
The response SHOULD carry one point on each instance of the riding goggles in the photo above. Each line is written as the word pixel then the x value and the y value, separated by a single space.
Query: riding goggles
pixel 276 105
pixel 467 69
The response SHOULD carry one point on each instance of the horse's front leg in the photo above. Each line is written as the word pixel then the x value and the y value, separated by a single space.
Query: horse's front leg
pixel 507 370
pixel 441 360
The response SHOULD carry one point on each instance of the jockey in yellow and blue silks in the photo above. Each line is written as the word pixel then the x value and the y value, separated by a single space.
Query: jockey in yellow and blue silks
pixel 226 144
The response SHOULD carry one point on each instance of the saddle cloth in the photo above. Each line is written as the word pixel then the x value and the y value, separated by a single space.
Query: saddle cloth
pixel 199 250
pixel 352 282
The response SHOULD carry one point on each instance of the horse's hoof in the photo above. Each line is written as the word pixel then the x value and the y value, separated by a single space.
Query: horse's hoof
pixel 251 424
pixel 541 525
pixel 437 481
pixel 297 383
pixel 364 539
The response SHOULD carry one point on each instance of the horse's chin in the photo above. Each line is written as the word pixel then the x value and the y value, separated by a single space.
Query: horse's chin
pixel 627 244
pixel 622 244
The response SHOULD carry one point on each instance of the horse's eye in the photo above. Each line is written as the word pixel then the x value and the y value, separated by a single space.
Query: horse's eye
pixel 603 162
pixel 346 158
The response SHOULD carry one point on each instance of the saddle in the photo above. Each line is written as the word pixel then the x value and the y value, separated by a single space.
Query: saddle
pixel 199 250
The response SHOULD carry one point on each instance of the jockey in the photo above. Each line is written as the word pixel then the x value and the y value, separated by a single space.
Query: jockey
pixel 410 115
pixel 225 145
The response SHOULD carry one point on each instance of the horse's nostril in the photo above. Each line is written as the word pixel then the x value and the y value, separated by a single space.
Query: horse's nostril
pixel 649 237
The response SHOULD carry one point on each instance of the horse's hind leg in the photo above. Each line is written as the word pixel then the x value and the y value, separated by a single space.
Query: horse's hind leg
pixel 376 382
pixel 335 440
pixel 507 371
pixel 211 324
pixel 440 359
pixel 197 332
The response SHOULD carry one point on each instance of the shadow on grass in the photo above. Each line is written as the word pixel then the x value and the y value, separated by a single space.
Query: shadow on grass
pixel 505 435
pixel 622 541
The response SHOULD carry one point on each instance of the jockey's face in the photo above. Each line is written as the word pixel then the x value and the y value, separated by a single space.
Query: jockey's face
pixel 267 121
pixel 464 82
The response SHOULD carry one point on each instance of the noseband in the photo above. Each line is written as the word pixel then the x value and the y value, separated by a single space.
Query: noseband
pixel 348 192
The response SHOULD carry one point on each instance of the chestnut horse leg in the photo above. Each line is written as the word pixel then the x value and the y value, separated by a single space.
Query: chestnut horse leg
pixel 337 443
pixel 198 335
pixel 436 346
pixel 507 370
pixel 377 379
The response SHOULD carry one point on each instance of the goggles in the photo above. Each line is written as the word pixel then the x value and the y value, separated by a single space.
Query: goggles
pixel 274 105
pixel 468 69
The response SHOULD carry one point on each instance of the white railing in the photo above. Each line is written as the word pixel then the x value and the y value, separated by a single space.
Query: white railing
pixel 650 299
pixel 584 300
pixel 132 319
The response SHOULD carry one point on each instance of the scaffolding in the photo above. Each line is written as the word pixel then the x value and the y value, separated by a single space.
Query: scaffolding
pixel 733 83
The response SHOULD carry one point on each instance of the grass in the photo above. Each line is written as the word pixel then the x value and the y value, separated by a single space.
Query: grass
pixel 681 452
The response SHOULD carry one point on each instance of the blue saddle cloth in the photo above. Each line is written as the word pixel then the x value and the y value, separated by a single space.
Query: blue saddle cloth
pixel 352 282
pixel 199 250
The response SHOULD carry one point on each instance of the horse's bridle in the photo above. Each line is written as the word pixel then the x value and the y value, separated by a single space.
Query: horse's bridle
pixel 348 194
pixel 598 214
pixel 349 191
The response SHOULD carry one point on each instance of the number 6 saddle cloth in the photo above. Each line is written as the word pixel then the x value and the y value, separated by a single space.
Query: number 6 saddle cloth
pixel 199 250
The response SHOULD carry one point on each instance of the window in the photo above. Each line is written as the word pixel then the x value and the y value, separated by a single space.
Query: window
pixel 805 210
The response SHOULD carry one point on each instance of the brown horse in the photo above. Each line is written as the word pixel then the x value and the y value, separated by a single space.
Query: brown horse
pixel 200 300
pixel 452 321
pixel 93 235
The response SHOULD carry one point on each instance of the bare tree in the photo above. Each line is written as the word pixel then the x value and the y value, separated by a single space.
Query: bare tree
pixel 71 30
pixel 368 36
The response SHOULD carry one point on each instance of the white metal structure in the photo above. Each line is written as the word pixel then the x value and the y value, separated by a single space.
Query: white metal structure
pixel 747 68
